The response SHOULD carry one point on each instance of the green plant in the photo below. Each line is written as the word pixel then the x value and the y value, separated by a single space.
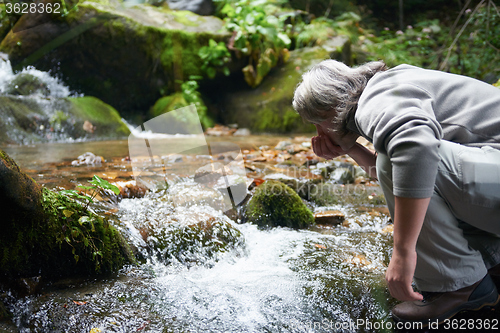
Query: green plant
pixel 214 57
pixel 258 34
pixel 90 192
pixel 470 47
pixel 83 233
pixel 192 96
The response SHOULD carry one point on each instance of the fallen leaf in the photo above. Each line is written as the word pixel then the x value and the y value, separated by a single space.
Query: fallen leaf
pixel 319 246
pixel 79 303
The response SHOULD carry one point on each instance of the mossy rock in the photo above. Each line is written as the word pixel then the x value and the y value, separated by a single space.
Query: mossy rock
pixel 201 241
pixel 275 204
pixel 26 120
pixel 47 234
pixel 268 108
pixel 127 56
pixel 27 84
pixel 178 100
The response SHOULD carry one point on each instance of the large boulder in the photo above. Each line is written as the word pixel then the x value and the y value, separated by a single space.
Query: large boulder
pixel 49 235
pixel 126 56
pixel 268 108
pixel 25 119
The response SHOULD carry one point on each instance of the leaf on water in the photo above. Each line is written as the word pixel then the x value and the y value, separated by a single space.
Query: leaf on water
pixel 319 246
pixel 79 303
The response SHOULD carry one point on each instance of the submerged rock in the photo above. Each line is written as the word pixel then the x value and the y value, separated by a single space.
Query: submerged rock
pixel 27 84
pixel 175 226
pixel 194 238
pixel 275 204
pixel 329 217
pixel 49 235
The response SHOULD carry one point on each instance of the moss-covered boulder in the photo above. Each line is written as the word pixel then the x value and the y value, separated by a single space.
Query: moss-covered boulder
pixel 275 204
pixel 268 108
pixel 195 238
pixel 47 234
pixel 183 224
pixel 25 120
pixel 126 56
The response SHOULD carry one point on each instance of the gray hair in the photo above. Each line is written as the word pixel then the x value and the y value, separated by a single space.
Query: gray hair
pixel 332 89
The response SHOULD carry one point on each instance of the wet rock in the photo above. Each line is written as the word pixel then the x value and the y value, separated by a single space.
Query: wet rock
pixel 329 217
pixel 342 176
pixel 275 204
pixel 220 130
pixel 46 233
pixel 242 132
pixel 26 120
pixel 211 172
pixel 88 159
pixel 302 186
pixel 27 84
pixel 131 189
pixel 189 234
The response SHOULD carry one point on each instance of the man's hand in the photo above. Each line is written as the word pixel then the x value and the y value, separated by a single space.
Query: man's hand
pixel 323 146
pixel 400 274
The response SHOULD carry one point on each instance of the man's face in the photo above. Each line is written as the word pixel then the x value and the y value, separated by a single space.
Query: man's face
pixel 345 142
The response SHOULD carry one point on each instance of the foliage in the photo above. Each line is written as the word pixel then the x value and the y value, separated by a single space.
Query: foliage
pixel 416 45
pixel 470 47
pixel 215 56
pixel 83 232
pixel 321 29
pixel 258 34
pixel 192 96
pixel 90 192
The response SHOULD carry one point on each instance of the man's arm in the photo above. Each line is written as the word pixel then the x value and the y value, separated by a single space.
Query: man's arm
pixel 409 216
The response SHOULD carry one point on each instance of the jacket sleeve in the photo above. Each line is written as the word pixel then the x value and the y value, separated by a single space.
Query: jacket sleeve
pixel 401 124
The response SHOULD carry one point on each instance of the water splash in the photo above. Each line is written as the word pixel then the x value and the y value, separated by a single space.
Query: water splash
pixel 56 88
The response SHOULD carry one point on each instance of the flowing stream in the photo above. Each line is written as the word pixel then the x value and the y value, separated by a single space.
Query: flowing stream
pixel 280 280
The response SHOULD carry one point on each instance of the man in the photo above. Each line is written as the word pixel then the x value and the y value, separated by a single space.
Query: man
pixel 436 137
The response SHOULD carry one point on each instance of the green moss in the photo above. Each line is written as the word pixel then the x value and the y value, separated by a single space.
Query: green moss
pixel 275 204
pixel 100 114
pixel 268 108
pixel 197 243
pixel 46 233
pixel 168 103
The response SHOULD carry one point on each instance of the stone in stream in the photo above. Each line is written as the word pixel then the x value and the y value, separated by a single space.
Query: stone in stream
pixel 329 217
pixel 25 120
pixel 275 204
pixel 46 234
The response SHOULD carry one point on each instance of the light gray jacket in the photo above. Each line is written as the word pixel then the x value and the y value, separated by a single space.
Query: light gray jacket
pixel 406 111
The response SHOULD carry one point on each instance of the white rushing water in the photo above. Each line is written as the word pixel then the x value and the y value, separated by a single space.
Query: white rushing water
pixel 56 88
pixel 282 280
